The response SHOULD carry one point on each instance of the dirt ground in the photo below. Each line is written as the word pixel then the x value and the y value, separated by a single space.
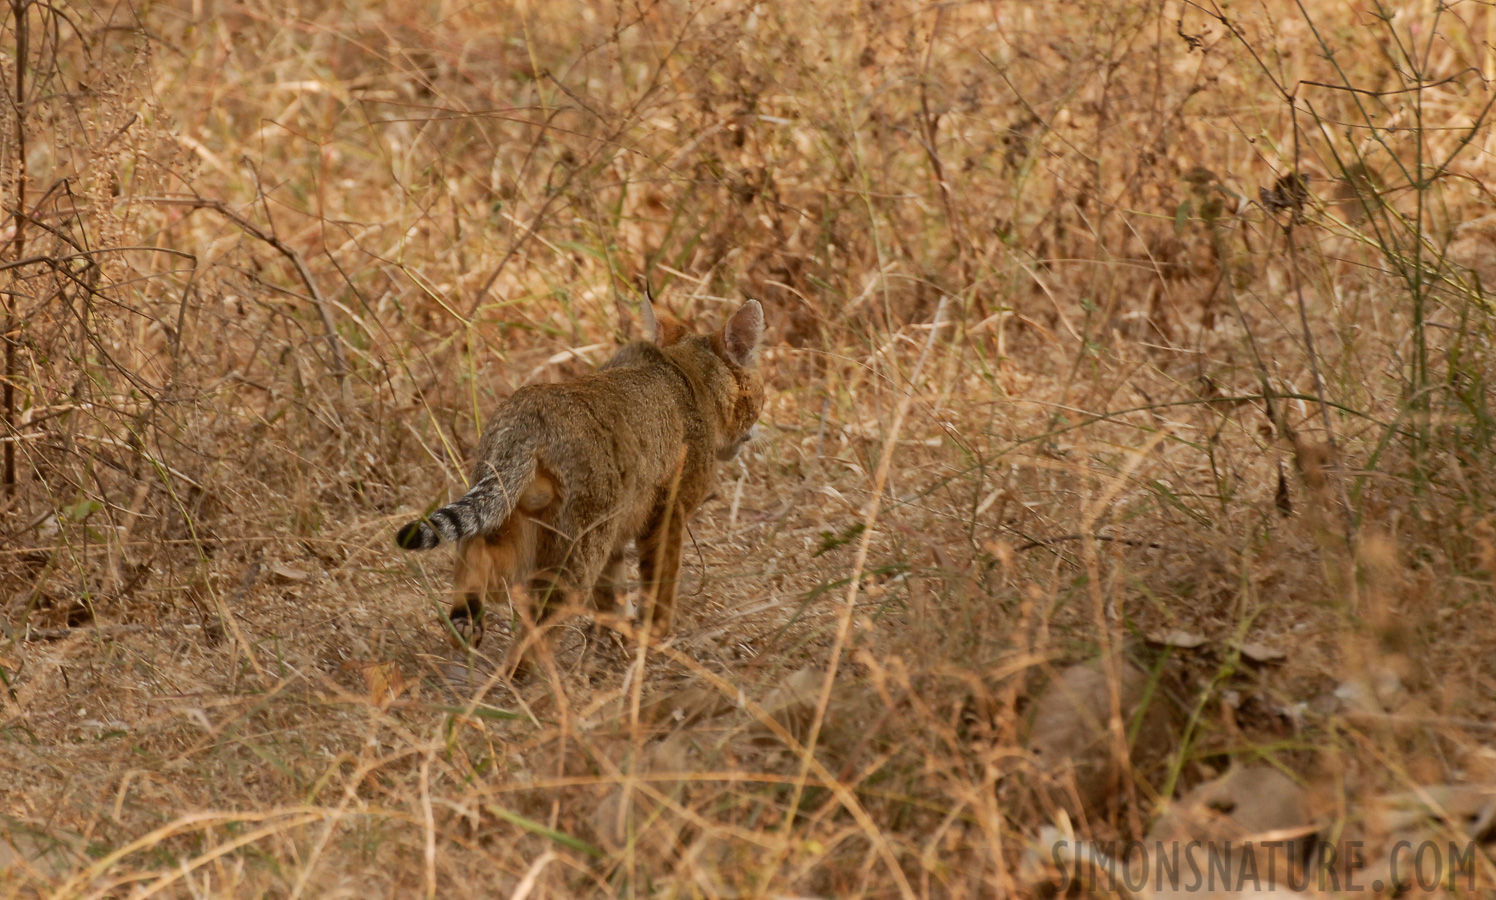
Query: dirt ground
pixel 1114 482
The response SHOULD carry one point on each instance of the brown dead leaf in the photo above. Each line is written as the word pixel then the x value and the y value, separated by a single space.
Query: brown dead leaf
pixel 1243 826
pixel 625 811
pixel 1387 826
pixel 1312 459
pixel 686 706
pixel 1071 735
pixel 793 703
pixel 1470 809
pixel 1182 640
pixel 383 681
pixel 1376 693
pixel 1262 653
pixel 1250 802
pixel 32 850
pixel 284 574
pixel 1151 874
pixel 1002 551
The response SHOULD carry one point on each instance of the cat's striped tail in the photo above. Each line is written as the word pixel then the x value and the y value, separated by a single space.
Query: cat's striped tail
pixel 480 511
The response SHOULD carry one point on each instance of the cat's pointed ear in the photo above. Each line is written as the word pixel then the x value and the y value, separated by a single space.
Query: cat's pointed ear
pixel 648 322
pixel 742 333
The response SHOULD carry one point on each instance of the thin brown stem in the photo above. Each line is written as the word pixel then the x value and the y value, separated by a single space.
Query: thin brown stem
pixel 19 9
pixel 324 310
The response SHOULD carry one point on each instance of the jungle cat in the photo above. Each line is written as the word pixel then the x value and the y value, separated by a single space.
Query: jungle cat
pixel 568 474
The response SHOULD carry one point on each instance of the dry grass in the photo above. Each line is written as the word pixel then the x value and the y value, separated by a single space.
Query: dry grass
pixel 1062 358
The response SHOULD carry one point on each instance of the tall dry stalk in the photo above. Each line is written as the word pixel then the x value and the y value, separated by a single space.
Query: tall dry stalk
pixel 19 10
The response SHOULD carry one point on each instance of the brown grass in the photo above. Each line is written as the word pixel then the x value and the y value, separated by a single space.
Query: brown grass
pixel 1063 358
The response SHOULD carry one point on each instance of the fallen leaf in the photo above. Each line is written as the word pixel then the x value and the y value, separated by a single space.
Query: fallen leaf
pixel 1071 736
pixel 382 680
pixel 1468 808
pixel 1081 863
pixel 32 850
pixel 462 675
pixel 1381 692
pixel 793 703
pixel 286 574
pixel 1183 640
pixel 1244 825
pixel 1439 813
pixel 624 811
pixel 1250 802
pixel 1261 653
pixel 685 706
pixel 385 682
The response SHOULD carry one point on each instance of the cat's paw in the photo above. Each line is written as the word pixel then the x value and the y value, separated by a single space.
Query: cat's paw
pixel 464 630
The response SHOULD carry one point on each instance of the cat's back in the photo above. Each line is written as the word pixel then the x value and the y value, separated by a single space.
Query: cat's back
pixel 627 416
pixel 638 389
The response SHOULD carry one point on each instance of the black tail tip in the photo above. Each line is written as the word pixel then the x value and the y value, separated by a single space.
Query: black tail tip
pixel 417 536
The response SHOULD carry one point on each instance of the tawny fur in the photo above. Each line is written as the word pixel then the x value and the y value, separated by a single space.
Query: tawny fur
pixel 569 474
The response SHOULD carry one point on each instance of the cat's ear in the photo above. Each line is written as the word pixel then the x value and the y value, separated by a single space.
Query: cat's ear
pixel 648 322
pixel 741 334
